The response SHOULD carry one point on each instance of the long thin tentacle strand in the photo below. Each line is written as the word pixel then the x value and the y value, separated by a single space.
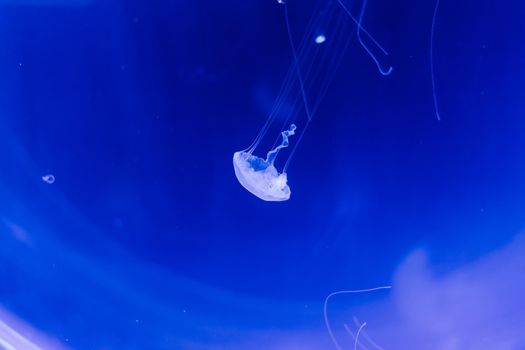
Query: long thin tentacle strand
pixel 432 74
pixel 370 53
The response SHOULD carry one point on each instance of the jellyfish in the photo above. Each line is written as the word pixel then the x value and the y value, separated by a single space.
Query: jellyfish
pixel 48 178
pixel 314 64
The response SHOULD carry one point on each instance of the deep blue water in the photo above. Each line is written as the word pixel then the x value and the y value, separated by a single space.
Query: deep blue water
pixel 147 241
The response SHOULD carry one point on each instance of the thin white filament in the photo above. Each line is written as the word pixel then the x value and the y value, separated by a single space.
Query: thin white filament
pixel 325 308
pixel 432 30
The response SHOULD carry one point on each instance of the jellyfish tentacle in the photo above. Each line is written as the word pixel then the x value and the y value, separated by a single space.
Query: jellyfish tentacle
pixel 303 49
pixel 357 22
pixel 356 338
pixel 333 294
pixel 370 53
pixel 296 61
pixel 310 73
pixel 432 74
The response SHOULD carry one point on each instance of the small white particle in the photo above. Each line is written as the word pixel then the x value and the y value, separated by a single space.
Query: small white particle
pixel 320 39
pixel 49 178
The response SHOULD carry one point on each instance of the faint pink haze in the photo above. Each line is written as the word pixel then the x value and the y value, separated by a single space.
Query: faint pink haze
pixel 475 306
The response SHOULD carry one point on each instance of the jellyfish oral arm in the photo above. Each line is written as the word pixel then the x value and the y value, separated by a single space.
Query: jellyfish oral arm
pixel 270 156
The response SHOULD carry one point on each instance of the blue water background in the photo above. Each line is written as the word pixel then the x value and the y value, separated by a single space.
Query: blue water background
pixel 147 241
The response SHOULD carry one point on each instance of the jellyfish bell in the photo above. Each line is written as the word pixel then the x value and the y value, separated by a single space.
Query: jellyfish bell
pixel 309 75
pixel 266 182
pixel 260 176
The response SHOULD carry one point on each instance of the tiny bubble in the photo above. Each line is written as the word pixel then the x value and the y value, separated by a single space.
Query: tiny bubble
pixel 320 39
